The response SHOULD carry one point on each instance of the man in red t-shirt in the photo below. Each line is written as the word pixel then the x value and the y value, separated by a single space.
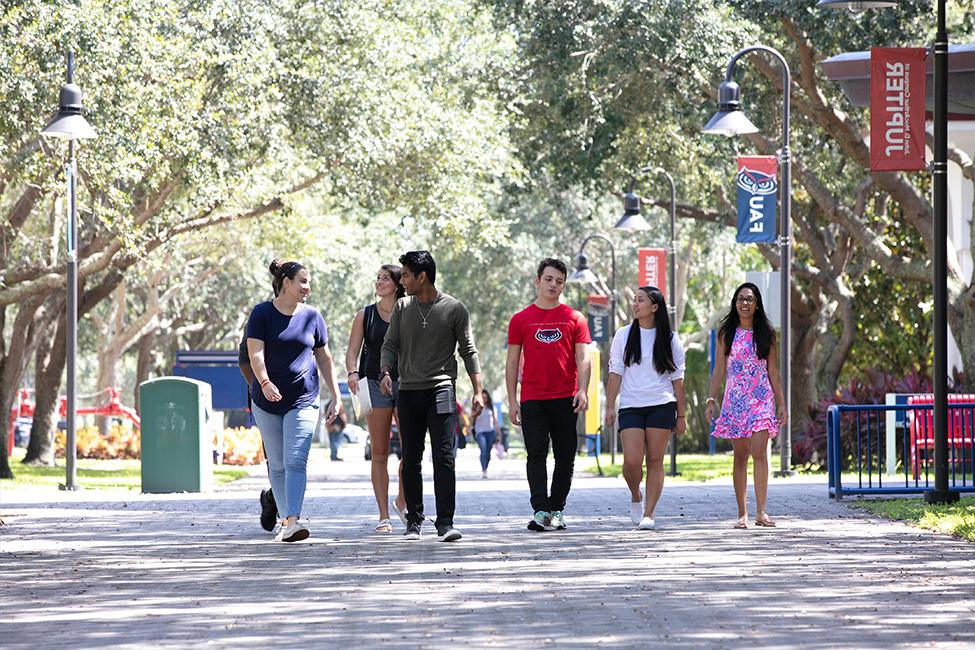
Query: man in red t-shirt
pixel 554 339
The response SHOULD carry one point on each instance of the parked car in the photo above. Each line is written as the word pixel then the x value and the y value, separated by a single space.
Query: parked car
pixel 353 434
pixel 394 446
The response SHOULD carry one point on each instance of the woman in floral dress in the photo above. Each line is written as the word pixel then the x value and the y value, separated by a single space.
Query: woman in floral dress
pixel 748 358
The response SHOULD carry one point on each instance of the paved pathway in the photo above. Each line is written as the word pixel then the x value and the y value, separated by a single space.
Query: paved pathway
pixel 98 569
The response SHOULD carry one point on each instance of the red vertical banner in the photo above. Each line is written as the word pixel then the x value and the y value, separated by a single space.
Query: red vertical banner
pixel 897 77
pixel 653 269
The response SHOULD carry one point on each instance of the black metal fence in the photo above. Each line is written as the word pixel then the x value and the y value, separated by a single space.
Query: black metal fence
pixel 877 449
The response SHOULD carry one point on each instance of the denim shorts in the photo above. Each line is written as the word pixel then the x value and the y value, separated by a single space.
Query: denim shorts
pixel 662 416
pixel 381 400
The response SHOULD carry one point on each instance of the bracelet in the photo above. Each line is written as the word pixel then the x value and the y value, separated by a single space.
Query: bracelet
pixel 265 383
pixel 352 372
pixel 709 400
pixel 680 417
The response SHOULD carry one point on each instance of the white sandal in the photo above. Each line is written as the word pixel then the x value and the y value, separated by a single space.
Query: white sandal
pixel 384 527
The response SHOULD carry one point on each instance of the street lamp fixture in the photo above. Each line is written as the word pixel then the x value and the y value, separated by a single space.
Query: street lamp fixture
pixel 70 124
pixel 633 220
pixel 939 171
pixel 730 120
pixel 584 275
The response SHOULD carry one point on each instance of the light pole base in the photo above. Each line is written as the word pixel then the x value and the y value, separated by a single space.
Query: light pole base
pixel 941 496
pixel 69 488
pixel 784 473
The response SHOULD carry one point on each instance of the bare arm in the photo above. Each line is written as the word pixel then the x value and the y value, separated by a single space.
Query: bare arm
pixel 581 400
pixel 323 357
pixel 776 380
pixel 681 406
pixel 355 347
pixel 717 379
pixel 255 350
pixel 511 383
pixel 613 382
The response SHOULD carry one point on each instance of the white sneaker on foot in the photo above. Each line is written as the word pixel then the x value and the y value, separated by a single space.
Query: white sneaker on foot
pixel 646 524
pixel 636 511
pixel 295 532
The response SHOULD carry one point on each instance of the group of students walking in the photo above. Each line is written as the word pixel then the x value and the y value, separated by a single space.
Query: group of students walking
pixel 402 360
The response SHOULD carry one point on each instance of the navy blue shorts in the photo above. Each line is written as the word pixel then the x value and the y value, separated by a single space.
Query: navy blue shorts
pixel 662 416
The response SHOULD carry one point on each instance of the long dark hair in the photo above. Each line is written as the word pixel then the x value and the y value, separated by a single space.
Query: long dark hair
pixel 663 353
pixel 395 272
pixel 763 334
pixel 281 270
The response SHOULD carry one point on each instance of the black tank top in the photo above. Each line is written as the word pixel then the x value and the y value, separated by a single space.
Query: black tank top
pixel 374 330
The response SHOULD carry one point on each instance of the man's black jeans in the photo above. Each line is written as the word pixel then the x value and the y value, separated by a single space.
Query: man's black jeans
pixel 542 420
pixel 433 409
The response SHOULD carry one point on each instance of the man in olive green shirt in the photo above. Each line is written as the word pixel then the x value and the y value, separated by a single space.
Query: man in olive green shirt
pixel 425 330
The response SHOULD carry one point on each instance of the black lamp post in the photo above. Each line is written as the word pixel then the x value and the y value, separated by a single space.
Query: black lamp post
pixel 584 275
pixel 71 125
pixel 729 121
pixel 632 219
pixel 939 170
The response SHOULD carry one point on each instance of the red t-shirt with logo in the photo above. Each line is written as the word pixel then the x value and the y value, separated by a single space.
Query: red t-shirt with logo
pixel 548 340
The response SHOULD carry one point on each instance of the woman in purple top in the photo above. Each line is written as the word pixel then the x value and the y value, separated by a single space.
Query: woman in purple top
pixel 287 343
pixel 748 358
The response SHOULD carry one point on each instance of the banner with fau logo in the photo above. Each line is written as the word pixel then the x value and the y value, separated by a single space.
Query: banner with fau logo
pixel 758 191
pixel 653 268
pixel 598 318
pixel 897 76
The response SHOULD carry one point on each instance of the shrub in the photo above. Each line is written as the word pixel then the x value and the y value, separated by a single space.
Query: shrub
pixel 809 447
pixel 121 442
pixel 241 446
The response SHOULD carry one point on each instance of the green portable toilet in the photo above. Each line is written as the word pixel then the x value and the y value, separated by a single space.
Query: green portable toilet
pixel 177 445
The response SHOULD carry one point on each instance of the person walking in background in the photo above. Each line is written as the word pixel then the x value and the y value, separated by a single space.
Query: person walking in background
pixel 287 342
pixel 425 330
pixel 747 358
pixel 554 339
pixel 646 371
pixel 362 361
pixel 335 429
pixel 487 432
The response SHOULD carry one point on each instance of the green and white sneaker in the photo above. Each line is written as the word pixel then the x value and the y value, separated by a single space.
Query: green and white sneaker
pixel 558 520
pixel 541 522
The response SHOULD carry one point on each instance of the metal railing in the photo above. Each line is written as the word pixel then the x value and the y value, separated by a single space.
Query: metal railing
pixel 878 449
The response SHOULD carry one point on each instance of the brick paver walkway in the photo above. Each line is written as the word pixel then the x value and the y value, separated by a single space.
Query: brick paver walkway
pixel 97 569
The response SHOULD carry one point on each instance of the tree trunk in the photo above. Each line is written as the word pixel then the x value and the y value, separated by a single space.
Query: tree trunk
pixel 49 366
pixel 23 338
pixel 804 350
pixel 964 331
pixel 145 364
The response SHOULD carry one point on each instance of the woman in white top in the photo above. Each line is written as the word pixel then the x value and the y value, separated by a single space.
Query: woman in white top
pixel 646 370
pixel 486 431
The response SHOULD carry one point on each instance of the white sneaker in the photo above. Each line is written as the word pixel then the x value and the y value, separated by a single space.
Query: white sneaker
pixel 636 511
pixel 294 532
pixel 484 473
pixel 646 524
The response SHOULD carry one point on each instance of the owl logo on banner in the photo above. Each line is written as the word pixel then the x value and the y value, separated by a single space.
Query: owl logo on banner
pixel 758 188
pixel 548 336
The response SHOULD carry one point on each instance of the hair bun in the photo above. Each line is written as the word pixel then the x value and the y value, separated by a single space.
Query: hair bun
pixel 276 265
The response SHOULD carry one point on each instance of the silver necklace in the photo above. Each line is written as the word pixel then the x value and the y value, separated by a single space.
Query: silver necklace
pixel 423 318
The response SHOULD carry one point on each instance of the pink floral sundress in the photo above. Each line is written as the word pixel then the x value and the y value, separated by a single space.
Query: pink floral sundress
pixel 749 403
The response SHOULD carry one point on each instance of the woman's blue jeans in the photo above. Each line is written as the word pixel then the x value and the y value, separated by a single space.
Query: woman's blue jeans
pixel 485 440
pixel 287 440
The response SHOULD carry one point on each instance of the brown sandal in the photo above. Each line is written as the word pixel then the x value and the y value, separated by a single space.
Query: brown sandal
pixel 742 522
pixel 762 519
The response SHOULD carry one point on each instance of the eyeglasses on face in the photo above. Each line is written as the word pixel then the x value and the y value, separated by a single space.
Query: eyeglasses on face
pixel 745 300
